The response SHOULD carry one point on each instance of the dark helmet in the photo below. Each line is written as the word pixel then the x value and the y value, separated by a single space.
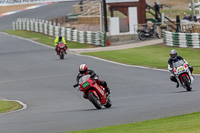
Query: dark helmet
pixel 83 68
pixel 60 38
pixel 173 54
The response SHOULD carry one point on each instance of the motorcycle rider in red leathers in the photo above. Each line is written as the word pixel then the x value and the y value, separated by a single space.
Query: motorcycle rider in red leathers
pixel 83 70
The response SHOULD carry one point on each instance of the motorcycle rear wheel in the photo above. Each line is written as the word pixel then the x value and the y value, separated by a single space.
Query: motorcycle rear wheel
pixel 186 83
pixel 96 101
pixel 142 36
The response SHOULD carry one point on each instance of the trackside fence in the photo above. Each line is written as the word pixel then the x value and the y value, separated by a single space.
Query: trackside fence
pixel 181 39
pixel 49 28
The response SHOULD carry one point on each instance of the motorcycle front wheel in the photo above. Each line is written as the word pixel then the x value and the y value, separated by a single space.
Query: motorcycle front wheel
pixel 142 36
pixel 95 100
pixel 186 83
pixel 109 103
pixel 61 55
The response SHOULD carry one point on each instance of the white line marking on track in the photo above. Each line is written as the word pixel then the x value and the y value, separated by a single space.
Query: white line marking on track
pixel 156 69
pixel 24 106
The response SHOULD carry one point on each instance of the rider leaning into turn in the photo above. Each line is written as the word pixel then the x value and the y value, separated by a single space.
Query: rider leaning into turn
pixel 83 70
pixel 59 39
pixel 174 58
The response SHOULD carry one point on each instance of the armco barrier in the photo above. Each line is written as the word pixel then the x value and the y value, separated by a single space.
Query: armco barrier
pixel 181 39
pixel 45 27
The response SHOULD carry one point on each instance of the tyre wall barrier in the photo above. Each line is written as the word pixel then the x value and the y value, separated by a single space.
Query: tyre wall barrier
pixel 47 28
pixel 181 39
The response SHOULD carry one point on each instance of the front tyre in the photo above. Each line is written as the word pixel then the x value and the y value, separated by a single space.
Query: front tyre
pixel 186 83
pixel 142 36
pixel 61 55
pixel 95 100
pixel 109 103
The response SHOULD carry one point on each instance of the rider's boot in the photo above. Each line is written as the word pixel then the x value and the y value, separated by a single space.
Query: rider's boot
pixel 56 49
pixel 172 78
pixel 177 84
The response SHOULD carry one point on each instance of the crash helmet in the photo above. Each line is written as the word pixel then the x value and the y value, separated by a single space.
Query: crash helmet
pixel 173 54
pixel 83 68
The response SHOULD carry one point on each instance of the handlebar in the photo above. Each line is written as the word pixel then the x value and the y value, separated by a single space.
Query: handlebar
pixel 75 85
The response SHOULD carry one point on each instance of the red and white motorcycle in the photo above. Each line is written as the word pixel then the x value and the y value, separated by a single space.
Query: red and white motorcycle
pixel 183 74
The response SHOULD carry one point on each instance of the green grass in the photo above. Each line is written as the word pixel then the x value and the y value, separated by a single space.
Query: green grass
pixel 189 123
pixel 45 39
pixel 7 106
pixel 154 56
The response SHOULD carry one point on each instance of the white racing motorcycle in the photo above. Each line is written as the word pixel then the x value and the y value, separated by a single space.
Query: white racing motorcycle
pixel 183 74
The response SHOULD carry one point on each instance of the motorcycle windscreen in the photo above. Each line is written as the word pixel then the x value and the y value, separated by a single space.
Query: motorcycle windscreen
pixel 84 78
pixel 178 63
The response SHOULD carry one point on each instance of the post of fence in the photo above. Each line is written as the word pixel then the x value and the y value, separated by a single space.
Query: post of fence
pixel 14 26
pixel 69 34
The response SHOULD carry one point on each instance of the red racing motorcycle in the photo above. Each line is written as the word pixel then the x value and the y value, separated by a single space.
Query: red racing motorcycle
pixel 61 50
pixel 93 92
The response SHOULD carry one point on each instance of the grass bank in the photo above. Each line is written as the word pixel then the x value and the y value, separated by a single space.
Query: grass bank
pixel 7 106
pixel 189 123
pixel 154 56
pixel 45 39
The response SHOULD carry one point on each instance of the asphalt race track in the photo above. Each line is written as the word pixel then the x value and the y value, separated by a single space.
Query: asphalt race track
pixel 35 75
pixel 45 12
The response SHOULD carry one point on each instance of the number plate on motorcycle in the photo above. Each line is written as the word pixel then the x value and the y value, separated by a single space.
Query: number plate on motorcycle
pixel 180 69
pixel 85 84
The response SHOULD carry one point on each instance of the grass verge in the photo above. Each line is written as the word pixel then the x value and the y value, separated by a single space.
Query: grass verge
pixel 189 123
pixel 7 106
pixel 154 56
pixel 45 39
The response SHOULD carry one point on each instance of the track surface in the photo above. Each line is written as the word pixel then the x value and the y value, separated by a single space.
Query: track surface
pixel 34 75
pixel 45 12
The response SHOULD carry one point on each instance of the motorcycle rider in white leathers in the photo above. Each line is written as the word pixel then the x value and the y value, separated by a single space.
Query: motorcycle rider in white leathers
pixel 174 58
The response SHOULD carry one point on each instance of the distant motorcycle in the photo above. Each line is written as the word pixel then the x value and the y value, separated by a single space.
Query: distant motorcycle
pixel 183 75
pixel 61 50
pixel 146 32
pixel 93 92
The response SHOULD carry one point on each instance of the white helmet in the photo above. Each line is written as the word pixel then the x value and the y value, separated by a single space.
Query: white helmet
pixel 173 54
